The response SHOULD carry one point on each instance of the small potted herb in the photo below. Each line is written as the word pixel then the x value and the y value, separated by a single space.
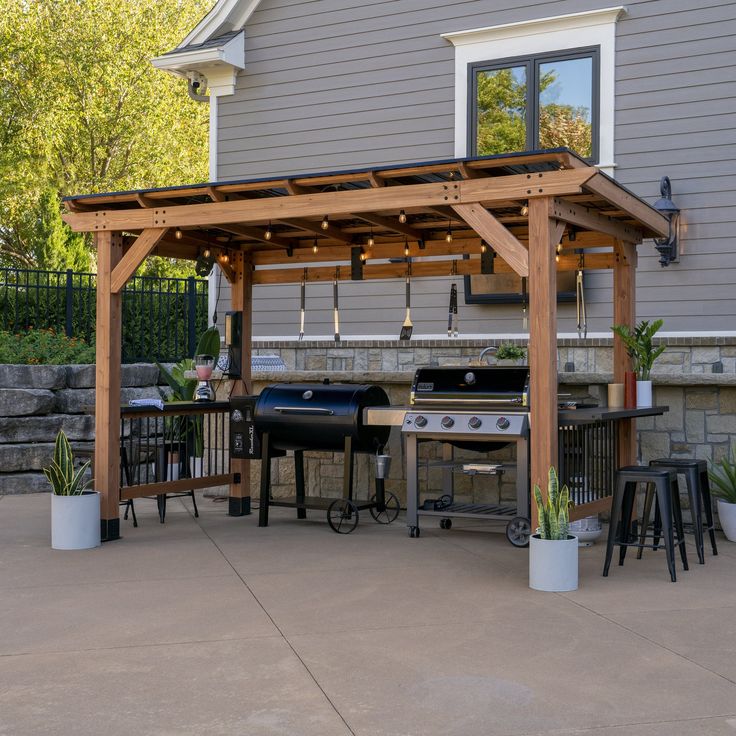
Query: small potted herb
pixel 640 347
pixel 553 551
pixel 723 478
pixel 75 511
pixel 509 354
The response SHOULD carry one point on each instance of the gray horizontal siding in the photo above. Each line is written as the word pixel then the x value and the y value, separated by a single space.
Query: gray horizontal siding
pixel 334 84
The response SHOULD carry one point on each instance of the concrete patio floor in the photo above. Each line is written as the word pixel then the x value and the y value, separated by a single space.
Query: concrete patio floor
pixel 214 626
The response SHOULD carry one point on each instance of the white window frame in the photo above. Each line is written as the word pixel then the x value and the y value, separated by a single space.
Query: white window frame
pixel 540 36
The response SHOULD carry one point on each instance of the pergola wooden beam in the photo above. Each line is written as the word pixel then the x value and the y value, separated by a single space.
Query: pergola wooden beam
pixel 496 235
pixel 135 255
pixel 221 214
pixel 591 220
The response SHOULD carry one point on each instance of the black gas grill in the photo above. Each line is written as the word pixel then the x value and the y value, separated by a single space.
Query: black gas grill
pixel 320 417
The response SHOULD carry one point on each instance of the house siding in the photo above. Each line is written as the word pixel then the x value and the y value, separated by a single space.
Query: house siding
pixel 339 84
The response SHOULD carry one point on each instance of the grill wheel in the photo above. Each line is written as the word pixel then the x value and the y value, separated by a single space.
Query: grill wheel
pixel 342 516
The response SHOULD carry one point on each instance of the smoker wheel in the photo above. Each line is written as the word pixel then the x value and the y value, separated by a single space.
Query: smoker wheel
pixel 342 516
pixel 414 532
pixel 445 523
pixel 390 509
pixel 518 531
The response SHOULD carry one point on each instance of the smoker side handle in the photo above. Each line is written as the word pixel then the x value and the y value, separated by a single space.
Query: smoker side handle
pixel 303 410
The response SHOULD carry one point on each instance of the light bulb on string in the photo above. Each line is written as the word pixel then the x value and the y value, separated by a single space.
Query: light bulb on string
pixel 524 210
pixel 402 217
pixel 448 237
pixel 269 233
pixel 406 247
pixel 315 247
pixel 325 222
pixel 178 234
pixel 206 253
pixel 371 239
pixel 483 247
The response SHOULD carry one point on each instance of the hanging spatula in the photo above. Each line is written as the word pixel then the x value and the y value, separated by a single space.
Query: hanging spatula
pixel 407 328
pixel 303 304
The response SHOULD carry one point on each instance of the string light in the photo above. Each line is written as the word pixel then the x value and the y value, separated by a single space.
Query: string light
pixel 524 210
pixel 269 233
pixel 325 222
pixel 406 247
pixel 402 217
pixel 371 239
pixel 363 256
pixel 206 253
pixel 224 257
pixel 448 237
pixel 483 247
pixel 178 234
pixel 315 247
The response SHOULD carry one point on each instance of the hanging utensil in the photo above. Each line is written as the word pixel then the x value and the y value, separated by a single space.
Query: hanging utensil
pixel 524 316
pixel 452 319
pixel 303 304
pixel 335 304
pixel 407 328
pixel 580 299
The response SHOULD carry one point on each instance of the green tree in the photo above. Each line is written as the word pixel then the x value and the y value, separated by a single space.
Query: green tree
pixel 82 110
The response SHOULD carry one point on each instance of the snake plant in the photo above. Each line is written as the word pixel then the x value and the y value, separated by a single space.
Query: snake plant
pixel 723 477
pixel 61 474
pixel 554 513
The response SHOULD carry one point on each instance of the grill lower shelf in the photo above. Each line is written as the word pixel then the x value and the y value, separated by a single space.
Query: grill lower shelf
pixel 472 510
pixel 316 503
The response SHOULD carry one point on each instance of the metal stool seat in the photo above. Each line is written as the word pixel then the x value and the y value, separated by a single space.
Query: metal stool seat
pixel 698 490
pixel 664 481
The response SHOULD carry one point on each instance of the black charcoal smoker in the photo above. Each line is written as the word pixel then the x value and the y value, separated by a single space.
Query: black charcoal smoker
pixel 321 417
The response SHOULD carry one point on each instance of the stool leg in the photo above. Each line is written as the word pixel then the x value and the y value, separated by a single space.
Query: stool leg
pixel 645 519
pixel 679 527
pixel 657 530
pixel 708 507
pixel 664 498
pixel 626 511
pixel 693 493
pixel 132 511
pixel 618 497
pixel 194 504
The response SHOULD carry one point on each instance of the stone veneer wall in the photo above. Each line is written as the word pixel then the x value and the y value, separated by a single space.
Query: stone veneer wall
pixel 36 401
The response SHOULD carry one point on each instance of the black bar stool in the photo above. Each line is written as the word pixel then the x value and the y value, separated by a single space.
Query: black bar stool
pixel 698 490
pixel 667 493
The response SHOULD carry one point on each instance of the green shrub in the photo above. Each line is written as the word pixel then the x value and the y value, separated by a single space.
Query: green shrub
pixel 44 347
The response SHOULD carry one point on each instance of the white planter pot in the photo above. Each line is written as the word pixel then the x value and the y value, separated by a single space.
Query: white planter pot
pixel 727 517
pixel 643 394
pixel 75 521
pixel 553 564
pixel 195 467
pixel 172 471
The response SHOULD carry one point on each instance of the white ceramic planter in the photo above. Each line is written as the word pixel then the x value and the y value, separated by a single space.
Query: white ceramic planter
pixel 643 394
pixel 727 517
pixel 553 564
pixel 75 521
pixel 195 467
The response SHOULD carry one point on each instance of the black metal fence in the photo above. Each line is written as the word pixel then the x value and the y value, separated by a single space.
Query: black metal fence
pixel 162 317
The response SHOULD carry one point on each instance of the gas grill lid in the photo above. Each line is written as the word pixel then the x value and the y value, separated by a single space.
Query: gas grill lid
pixel 458 386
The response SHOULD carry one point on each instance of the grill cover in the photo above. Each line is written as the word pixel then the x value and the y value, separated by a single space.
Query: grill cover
pixel 472 386
pixel 317 416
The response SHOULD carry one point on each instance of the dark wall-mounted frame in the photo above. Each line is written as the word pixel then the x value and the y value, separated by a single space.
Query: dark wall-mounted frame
pixel 532 63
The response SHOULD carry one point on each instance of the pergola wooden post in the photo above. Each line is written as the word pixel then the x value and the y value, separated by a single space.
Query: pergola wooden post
pixel 264 232
pixel 107 384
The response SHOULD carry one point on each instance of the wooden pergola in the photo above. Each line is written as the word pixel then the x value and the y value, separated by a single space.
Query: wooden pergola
pixel 535 211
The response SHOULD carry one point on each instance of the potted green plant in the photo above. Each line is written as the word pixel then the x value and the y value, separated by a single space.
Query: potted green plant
pixel 723 479
pixel 640 347
pixel 509 354
pixel 75 511
pixel 553 551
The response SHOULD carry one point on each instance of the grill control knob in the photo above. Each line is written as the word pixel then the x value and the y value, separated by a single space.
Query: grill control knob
pixel 237 416
pixel 474 423
pixel 448 422
pixel 470 378
pixel 502 423
pixel 420 421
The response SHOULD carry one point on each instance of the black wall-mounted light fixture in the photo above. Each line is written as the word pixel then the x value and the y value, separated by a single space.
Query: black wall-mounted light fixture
pixel 667 247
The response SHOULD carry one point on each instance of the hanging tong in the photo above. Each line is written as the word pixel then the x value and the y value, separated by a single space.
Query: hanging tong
pixel 580 299
pixel 407 328
pixel 452 318
pixel 303 304
pixel 335 304
pixel 524 316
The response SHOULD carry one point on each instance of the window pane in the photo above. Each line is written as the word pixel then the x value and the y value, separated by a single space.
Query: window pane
pixel 501 110
pixel 566 105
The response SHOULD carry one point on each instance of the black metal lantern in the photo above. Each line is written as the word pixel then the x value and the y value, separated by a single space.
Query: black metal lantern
pixel 667 247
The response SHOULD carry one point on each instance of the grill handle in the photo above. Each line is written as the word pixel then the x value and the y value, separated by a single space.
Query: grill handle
pixel 303 410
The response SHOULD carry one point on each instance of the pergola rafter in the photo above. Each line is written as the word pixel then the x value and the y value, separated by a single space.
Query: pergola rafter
pixel 526 207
